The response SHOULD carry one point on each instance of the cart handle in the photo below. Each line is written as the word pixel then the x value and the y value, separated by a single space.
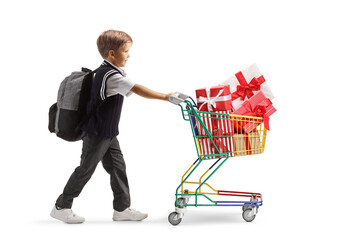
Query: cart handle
pixel 179 98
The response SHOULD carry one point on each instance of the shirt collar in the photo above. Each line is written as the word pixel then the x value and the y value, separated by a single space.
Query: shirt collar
pixel 122 72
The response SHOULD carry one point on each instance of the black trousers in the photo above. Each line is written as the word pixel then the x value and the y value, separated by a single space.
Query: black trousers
pixel 96 149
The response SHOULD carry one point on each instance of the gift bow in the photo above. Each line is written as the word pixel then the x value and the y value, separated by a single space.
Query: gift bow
pixel 260 110
pixel 246 89
pixel 211 101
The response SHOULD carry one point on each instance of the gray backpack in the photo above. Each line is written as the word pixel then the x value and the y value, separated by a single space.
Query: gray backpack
pixel 68 114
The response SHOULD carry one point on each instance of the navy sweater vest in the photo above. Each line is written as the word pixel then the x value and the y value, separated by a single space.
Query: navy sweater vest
pixel 105 121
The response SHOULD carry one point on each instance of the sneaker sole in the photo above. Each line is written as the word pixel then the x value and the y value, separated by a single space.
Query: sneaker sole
pixel 128 219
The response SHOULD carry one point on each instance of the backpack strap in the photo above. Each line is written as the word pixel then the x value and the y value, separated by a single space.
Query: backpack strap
pixel 90 114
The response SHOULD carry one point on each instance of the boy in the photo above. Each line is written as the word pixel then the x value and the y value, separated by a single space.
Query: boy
pixel 109 87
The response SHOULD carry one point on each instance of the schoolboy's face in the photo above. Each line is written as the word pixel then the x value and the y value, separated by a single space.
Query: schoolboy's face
pixel 120 57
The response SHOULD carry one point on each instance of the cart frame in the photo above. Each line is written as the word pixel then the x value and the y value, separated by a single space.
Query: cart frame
pixel 182 196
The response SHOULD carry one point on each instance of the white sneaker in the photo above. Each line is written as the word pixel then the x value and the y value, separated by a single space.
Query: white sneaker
pixel 66 215
pixel 129 215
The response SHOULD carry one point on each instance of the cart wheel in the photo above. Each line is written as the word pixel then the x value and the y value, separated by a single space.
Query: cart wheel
pixel 250 207
pixel 248 216
pixel 244 208
pixel 174 218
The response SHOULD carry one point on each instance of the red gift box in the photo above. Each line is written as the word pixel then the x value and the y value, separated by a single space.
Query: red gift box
pixel 214 99
pixel 259 106
pixel 220 127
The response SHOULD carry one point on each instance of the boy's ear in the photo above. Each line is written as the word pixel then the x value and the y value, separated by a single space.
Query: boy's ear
pixel 111 53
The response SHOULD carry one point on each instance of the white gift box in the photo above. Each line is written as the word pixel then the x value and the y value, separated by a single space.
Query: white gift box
pixel 246 83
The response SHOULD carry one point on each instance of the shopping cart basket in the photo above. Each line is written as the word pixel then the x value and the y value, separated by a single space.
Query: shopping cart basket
pixel 217 137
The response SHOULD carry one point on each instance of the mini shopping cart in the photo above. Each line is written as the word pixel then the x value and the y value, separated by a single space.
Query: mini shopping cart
pixel 217 136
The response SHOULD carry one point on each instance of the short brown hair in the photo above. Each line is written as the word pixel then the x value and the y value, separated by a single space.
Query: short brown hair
pixel 111 40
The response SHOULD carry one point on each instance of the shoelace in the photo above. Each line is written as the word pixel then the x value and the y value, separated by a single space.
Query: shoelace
pixel 133 211
pixel 72 213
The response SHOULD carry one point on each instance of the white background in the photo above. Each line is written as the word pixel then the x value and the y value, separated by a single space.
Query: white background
pixel 308 52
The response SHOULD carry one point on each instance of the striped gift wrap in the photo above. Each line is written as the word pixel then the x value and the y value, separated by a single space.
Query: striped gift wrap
pixel 220 127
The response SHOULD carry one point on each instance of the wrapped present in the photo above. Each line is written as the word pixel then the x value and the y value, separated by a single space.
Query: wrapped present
pixel 242 123
pixel 214 99
pixel 247 144
pixel 220 128
pixel 245 84
pixel 258 106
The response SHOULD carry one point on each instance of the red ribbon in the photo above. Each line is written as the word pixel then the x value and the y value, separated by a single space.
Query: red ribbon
pixel 258 111
pixel 247 144
pixel 246 89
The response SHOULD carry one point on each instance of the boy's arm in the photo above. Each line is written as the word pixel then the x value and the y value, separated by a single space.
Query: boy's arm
pixel 148 93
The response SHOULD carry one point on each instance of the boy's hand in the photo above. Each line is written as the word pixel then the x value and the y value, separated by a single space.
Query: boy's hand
pixel 170 94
